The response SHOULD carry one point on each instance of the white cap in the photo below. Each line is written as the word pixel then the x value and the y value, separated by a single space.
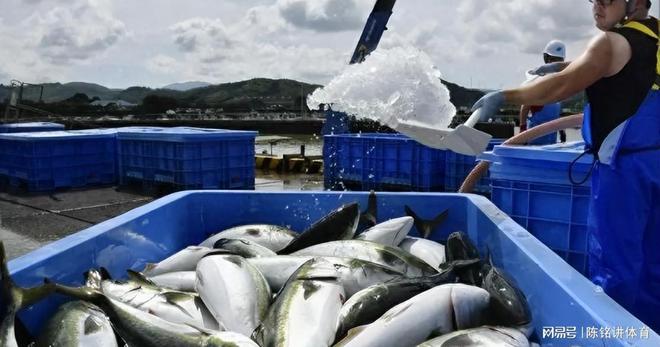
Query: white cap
pixel 555 48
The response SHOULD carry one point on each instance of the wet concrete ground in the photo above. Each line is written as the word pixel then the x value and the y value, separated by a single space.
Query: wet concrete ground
pixel 29 221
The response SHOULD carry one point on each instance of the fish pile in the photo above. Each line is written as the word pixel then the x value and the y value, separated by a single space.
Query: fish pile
pixel 265 285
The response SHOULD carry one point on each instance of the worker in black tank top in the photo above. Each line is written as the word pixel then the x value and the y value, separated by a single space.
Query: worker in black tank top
pixel 615 99
pixel 621 127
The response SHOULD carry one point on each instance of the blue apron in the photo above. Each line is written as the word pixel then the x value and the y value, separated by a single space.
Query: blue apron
pixel 547 113
pixel 624 212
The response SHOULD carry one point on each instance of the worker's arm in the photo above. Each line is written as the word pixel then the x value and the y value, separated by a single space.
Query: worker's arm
pixel 593 65
pixel 606 55
pixel 549 68
pixel 524 111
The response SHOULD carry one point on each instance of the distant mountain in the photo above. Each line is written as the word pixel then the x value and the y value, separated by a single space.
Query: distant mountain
pixel 206 95
pixel 185 86
pixel 462 97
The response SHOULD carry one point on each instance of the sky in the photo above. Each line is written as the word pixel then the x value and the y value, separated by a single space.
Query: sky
pixel 122 43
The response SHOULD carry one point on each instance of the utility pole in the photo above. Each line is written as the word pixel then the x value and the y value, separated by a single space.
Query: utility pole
pixel 302 102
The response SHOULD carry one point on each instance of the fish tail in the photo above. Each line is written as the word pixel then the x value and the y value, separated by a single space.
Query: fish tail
pixel 368 217
pixel 426 227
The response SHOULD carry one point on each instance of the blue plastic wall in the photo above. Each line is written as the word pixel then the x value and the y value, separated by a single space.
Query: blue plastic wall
pixel 531 184
pixel 374 161
pixel 44 161
pixel 30 127
pixel 187 158
pixel 558 295
pixel 458 166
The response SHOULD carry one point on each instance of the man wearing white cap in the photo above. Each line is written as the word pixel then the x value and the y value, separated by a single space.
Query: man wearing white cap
pixel 531 116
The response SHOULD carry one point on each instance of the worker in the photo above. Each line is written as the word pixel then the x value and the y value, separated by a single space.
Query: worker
pixel 621 128
pixel 531 116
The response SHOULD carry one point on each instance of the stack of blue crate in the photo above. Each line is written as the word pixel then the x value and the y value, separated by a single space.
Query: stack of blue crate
pixel 44 161
pixel 381 161
pixel 531 184
pixel 187 158
pixel 29 127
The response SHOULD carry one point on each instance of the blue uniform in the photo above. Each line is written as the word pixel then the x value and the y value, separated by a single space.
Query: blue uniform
pixel 624 214
pixel 622 126
pixel 548 113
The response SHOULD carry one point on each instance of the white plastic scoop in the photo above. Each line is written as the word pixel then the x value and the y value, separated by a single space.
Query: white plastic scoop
pixel 464 139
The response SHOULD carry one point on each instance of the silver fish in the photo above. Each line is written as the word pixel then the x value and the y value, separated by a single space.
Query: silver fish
pixel 183 281
pixel 305 311
pixel 244 248
pixel 439 310
pixel 389 256
pixel 390 233
pixel 235 292
pixel 354 274
pixel 184 260
pixel 339 224
pixel 273 237
pixel 140 293
pixel 139 328
pixel 429 251
pixel 485 336
pixel 78 324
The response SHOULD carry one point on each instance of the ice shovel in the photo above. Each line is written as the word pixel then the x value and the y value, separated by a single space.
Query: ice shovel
pixel 464 139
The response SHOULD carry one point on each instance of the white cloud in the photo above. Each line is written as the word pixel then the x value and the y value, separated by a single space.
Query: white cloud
pixel 163 64
pixel 325 15
pixel 522 25
pixel 127 42
pixel 75 32
pixel 201 33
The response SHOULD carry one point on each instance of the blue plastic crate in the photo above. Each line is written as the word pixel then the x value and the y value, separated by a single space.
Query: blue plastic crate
pixel 187 158
pixel 558 295
pixel 30 127
pixel 44 161
pixel 458 166
pixel 531 185
pixel 381 162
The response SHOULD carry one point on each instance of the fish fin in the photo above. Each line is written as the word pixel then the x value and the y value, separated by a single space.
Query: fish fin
pixel 105 274
pixel 426 227
pixel 93 279
pixel 350 335
pixel 5 279
pixel 489 256
pixel 139 278
pixel 15 295
pixel 202 330
pixel 420 224
pixel 369 216
pixel 81 293
pixel 219 251
pixel 221 242
pixel 174 298
pixel 91 325
pixel 258 334
pixel 148 267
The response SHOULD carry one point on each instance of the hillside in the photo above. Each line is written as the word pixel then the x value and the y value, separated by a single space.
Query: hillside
pixel 211 96
pixel 182 87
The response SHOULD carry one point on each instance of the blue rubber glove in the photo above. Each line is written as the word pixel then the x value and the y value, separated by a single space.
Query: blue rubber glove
pixel 547 69
pixel 489 104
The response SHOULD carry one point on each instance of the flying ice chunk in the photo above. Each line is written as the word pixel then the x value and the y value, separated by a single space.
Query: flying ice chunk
pixel 391 86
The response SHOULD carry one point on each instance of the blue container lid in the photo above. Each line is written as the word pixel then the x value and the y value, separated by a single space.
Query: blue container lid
pixel 181 134
pixel 542 164
pixel 559 152
pixel 60 135
pixel 32 125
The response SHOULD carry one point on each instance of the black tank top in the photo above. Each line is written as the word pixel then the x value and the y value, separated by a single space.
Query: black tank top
pixel 616 98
